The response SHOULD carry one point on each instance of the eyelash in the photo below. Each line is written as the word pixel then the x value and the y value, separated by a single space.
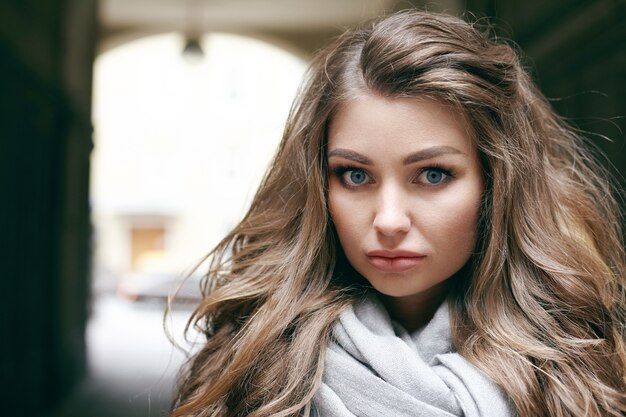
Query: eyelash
pixel 341 170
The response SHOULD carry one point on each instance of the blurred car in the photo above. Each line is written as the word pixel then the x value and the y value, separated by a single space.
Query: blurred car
pixel 159 286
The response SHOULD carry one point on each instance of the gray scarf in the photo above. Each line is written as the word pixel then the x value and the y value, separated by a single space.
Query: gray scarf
pixel 375 368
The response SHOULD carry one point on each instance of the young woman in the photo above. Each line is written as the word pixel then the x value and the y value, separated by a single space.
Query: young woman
pixel 430 240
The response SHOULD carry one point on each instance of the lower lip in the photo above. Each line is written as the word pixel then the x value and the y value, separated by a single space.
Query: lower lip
pixel 399 264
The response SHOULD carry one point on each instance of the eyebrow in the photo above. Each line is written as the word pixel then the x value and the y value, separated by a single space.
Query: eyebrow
pixel 418 156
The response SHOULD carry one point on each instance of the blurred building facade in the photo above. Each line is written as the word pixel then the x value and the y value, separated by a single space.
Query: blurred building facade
pixel 573 47
pixel 179 152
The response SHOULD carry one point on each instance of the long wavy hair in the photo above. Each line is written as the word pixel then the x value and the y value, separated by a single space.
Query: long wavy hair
pixel 542 311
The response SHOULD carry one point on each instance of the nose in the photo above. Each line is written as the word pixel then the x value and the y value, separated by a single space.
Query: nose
pixel 392 212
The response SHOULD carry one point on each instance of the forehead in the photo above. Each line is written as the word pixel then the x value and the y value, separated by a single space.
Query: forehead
pixel 375 123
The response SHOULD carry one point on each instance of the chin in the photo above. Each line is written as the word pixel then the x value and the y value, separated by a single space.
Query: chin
pixel 398 290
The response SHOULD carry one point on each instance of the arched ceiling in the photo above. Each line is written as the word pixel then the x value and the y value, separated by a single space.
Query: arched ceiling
pixel 239 14
pixel 305 24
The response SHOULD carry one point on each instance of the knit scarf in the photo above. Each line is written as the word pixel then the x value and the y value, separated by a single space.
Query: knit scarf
pixel 375 368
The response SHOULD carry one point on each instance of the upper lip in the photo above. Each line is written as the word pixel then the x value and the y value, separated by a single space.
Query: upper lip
pixel 394 254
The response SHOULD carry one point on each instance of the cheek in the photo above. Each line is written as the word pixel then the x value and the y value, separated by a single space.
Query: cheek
pixel 456 226
pixel 346 219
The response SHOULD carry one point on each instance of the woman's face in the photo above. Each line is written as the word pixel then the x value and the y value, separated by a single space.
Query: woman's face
pixel 404 193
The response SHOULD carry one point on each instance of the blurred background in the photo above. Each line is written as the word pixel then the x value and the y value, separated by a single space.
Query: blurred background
pixel 133 134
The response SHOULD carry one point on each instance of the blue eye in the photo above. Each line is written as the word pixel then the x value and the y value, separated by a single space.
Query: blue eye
pixel 352 177
pixel 357 176
pixel 434 176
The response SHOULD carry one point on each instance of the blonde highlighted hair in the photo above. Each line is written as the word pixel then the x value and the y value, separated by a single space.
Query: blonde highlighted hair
pixel 542 311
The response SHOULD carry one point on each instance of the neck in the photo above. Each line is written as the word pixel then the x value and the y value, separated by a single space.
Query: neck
pixel 415 311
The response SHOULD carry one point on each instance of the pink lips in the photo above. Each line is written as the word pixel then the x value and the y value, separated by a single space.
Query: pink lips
pixel 394 261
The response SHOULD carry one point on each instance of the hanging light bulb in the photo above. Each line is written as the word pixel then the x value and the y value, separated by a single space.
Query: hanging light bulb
pixel 192 51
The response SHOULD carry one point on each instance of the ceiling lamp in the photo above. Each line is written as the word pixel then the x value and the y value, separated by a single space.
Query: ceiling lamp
pixel 192 51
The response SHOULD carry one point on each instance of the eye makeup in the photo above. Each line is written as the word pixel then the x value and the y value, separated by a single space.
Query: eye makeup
pixel 353 177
